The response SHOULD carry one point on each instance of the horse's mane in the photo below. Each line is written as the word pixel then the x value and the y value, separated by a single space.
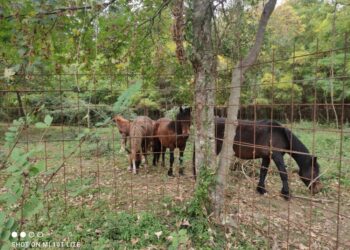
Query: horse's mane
pixel 182 116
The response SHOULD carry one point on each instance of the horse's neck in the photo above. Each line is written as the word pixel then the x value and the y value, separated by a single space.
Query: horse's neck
pixel 176 125
pixel 301 159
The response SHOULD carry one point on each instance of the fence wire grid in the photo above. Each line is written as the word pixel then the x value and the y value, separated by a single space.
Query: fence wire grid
pixel 83 172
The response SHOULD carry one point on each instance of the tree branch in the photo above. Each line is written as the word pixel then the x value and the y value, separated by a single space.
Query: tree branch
pixel 233 106
pixel 62 10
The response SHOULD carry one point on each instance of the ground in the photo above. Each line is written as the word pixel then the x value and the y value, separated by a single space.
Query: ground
pixel 96 172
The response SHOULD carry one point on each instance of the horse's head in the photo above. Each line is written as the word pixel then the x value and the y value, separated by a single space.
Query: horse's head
pixel 184 118
pixel 123 125
pixel 310 176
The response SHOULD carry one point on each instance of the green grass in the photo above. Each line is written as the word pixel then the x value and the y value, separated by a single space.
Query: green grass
pixel 98 226
pixel 325 143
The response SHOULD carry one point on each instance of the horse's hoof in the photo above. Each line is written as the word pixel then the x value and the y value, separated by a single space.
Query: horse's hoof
pixel 170 173
pixel 261 190
pixel 285 195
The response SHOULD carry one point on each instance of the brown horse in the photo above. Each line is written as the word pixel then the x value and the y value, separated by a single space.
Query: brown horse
pixel 268 140
pixel 141 136
pixel 171 134
pixel 123 126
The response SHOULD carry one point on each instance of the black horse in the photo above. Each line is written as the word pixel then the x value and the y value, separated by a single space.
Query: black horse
pixel 171 134
pixel 268 140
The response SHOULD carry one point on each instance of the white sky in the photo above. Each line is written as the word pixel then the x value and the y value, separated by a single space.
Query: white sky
pixel 279 2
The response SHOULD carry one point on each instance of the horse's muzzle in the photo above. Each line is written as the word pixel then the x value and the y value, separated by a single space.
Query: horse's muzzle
pixel 316 187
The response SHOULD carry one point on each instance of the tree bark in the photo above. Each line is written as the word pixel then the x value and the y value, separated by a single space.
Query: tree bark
pixel 177 29
pixel 20 104
pixel 204 64
pixel 233 107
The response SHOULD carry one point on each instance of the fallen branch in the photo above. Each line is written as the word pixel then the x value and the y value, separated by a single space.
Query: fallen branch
pixel 314 199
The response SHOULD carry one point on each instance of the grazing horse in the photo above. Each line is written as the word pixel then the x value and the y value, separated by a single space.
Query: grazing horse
pixel 123 126
pixel 172 134
pixel 141 136
pixel 268 140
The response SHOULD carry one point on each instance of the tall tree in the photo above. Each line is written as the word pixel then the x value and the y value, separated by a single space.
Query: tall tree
pixel 204 66
pixel 233 106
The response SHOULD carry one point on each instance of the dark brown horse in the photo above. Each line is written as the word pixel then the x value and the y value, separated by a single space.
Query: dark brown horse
pixel 268 140
pixel 141 136
pixel 171 134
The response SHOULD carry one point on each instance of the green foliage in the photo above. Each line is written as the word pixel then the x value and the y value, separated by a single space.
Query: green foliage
pixel 20 202
pixel 282 90
pixel 126 98
pixel 179 239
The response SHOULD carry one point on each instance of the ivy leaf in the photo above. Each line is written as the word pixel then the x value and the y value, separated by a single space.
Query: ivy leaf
pixel 32 206
pixel 48 120
pixel 38 168
pixel 41 125
pixel 2 218
pixel 8 199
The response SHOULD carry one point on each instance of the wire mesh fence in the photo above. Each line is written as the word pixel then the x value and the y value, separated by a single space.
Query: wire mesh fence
pixel 82 171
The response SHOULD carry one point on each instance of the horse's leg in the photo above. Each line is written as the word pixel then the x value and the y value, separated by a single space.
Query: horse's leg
pixel 181 159
pixel 134 166
pixel 170 171
pixel 263 172
pixel 163 150
pixel 278 159
pixel 156 151
pixel 144 146
pixel 130 163
pixel 146 162
pixel 155 156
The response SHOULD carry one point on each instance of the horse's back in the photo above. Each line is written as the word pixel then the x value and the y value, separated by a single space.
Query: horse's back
pixel 253 138
pixel 142 126
pixel 166 134
pixel 161 126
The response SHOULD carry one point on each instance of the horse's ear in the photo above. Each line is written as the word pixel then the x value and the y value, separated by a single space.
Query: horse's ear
pixel 181 109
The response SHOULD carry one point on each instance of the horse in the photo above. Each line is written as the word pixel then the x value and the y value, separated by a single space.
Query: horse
pixel 268 139
pixel 172 134
pixel 141 136
pixel 123 126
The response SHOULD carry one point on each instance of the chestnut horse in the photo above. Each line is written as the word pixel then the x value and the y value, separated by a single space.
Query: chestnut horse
pixel 172 134
pixel 123 126
pixel 141 136
pixel 268 140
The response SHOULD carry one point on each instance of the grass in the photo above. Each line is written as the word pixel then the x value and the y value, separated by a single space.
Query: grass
pixel 326 143
pixel 96 186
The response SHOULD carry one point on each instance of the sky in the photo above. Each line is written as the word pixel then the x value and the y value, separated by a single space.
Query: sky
pixel 279 2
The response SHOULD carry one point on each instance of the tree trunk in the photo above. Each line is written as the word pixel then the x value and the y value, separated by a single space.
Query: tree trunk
pixel 177 29
pixel 204 65
pixel 233 107
pixel 20 104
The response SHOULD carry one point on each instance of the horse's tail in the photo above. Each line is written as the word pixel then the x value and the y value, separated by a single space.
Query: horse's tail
pixel 135 141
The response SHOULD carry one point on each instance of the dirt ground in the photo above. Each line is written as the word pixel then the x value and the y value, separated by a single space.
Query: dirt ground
pixel 303 222
pixel 317 222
